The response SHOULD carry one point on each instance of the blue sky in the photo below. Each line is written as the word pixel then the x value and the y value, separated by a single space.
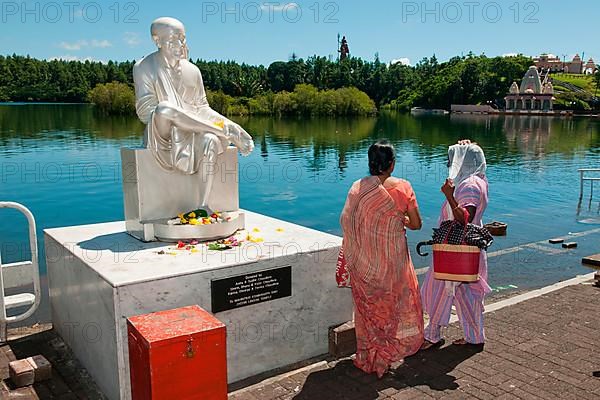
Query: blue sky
pixel 260 32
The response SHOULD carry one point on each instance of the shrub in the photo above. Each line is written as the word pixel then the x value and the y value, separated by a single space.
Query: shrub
pixel 284 103
pixel 261 104
pixel 113 98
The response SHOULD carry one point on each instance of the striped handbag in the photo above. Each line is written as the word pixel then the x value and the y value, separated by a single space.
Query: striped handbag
pixel 456 262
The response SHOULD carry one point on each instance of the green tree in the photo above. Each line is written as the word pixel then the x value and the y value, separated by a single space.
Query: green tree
pixel 113 98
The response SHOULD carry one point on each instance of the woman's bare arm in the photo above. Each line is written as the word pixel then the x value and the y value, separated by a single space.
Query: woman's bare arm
pixel 413 219
pixel 457 211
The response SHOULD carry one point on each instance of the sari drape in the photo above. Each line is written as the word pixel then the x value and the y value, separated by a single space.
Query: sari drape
pixel 388 313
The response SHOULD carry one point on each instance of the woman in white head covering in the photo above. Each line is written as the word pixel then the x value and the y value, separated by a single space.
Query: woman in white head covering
pixel 466 189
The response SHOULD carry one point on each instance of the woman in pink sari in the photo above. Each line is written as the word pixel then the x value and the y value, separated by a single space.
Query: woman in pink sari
pixel 466 189
pixel 388 313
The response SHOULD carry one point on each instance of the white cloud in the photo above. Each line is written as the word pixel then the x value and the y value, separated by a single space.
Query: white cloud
pixel 132 39
pixel 74 45
pixel 80 44
pixel 402 60
pixel 510 54
pixel 100 43
pixel 279 6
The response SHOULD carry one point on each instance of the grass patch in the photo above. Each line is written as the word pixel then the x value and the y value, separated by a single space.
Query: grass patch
pixel 585 82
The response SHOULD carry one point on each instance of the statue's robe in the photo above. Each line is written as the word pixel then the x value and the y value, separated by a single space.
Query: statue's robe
pixel 155 81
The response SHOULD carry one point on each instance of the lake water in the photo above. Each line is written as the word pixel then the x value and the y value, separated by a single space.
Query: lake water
pixel 63 162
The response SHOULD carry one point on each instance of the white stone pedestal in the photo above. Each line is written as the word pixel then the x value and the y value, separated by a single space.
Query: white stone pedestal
pixel 151 194
pixel 99 275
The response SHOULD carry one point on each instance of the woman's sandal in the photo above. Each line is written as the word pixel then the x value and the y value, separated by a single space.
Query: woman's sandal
pixel 463 342
pixel 427 345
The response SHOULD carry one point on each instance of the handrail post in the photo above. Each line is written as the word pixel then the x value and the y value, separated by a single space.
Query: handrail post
pixel 581 172
pixel 37 293
pixel 3 322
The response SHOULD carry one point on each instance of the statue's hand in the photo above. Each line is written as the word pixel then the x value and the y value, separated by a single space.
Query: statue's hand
pixel 239 137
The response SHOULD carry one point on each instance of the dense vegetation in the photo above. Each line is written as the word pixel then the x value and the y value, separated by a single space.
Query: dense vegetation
pixel 113 98
pixel 312 86
pixel 28 79
pixel 303 100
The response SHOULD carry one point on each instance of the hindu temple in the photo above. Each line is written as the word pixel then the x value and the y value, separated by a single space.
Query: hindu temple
pixel 532 95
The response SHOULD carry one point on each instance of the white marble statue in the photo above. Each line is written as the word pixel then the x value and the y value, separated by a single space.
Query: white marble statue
pixel 183 132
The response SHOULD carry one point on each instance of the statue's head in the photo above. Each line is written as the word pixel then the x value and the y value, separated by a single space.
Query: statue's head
pixel 169 35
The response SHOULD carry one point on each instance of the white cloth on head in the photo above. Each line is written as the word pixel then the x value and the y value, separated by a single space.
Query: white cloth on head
pixel 465 161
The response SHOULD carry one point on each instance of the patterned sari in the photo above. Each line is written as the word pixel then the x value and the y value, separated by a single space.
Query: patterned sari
pixel 388 313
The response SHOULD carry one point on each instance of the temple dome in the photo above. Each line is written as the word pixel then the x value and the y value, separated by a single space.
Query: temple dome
pixel 531 81
pixel 514 88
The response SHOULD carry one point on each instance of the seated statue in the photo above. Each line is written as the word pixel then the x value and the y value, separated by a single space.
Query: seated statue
pixel 184 134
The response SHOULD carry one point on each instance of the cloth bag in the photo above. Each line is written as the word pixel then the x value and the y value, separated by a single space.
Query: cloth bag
pixel 456 262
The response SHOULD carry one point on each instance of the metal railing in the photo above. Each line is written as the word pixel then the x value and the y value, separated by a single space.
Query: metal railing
pixel 17 275
pixel 583 178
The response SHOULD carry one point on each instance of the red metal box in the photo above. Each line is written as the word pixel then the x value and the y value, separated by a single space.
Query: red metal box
pixel 177 354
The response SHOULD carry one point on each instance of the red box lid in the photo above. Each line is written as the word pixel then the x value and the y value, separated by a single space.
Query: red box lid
pixel 172 324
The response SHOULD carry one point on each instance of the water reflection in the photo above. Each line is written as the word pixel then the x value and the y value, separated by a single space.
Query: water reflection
pixel 315 138
pixel 536 136
pixel 63 122
pixel 533 136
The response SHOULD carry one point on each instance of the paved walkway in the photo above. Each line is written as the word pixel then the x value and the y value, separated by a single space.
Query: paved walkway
pixel 70 381
pixel 545 347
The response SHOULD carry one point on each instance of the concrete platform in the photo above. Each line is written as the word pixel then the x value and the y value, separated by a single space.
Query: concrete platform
pixel 592 261
pixel 99 275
